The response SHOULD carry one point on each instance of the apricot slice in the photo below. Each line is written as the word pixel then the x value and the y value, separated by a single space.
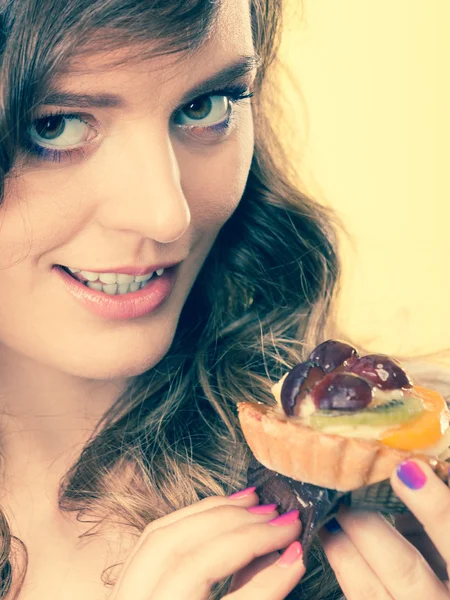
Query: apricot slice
pixel 425 430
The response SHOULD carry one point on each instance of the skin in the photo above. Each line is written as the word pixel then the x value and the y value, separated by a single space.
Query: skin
pixel 373 560
pixel 141 196
pixel 145 194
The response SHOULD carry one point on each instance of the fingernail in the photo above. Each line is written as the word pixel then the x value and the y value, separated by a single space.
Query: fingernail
pixel 286 519
pixel 291 554
pixel 332 526
pixel 242 493
pixel 262 509
pixel 411 475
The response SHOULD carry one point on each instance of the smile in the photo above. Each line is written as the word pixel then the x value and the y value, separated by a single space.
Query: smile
pixel 118 296
pixel 112 283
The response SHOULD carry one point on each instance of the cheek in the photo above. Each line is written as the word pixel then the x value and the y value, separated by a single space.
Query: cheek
pixel 213 184
pixel 32 215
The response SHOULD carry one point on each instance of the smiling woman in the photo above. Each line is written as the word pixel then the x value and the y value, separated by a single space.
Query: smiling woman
pixel 157 262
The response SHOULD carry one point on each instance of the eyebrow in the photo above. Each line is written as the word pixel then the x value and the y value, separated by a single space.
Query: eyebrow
pixel 243 66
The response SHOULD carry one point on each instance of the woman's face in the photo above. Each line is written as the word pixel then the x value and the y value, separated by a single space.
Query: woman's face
pixel 147 192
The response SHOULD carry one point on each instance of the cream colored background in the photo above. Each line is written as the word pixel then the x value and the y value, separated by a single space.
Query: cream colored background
pixel 373 140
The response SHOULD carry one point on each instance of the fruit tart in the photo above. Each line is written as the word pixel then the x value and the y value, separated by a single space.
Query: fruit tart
pixel 340 425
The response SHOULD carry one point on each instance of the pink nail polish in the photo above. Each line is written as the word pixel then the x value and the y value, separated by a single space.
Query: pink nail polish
pixel 262 509
pixel 291 554
pixel 286 519
pixel 242 493
pixel 411 475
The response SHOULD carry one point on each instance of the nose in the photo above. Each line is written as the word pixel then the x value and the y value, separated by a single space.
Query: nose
pixel 142 191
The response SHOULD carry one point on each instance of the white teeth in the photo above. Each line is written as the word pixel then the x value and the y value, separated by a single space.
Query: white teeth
pixel 123 288
pixel 114 283
pixel 122 278
pixel 110 289
pixel 108 278
pixel 142 278
pixel 89 275
pixel 114 288
pixel 95 286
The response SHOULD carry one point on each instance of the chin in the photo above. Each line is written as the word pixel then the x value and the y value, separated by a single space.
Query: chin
pixel 116 356
pixel 118 368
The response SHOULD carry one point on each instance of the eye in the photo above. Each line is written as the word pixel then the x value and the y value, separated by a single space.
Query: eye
pixel 55 131
pixel 205 111
pixel 59 136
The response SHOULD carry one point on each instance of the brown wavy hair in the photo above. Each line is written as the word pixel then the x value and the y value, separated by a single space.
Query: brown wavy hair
pixel 261 300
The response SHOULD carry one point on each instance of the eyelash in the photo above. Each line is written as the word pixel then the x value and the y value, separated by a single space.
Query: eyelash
pixel 235 94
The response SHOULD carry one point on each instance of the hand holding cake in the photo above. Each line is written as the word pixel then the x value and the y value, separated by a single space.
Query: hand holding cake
pixel 340 426
pixel 372 560
pixel 342 421
pixel 356 431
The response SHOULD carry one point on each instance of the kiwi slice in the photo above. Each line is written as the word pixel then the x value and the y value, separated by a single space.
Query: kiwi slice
pixel 392 412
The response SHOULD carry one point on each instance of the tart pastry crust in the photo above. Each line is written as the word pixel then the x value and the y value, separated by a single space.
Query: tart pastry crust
pixel 331 461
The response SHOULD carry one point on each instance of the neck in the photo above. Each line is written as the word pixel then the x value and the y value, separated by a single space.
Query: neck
pixel 46 417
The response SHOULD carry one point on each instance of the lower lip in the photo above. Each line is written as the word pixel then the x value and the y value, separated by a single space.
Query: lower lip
pixel 124 306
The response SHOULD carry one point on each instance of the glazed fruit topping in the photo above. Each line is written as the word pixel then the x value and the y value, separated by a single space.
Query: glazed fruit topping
pixel 393 412
pixel 334 354
pixel 339 379
pixel 298 384
pixel 342 391
pixel 381 370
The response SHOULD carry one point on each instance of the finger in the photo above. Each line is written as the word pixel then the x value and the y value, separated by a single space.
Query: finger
pixel 206 504
pixel 354 575
pixel 220 558
pixel 403 571
pixel 162 549
pixel 245 501
pixel 243 576
pixel 414 532
pixel 428 498
pixel 274 580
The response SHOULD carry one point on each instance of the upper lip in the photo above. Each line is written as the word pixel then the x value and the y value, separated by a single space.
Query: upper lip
pixel 131 270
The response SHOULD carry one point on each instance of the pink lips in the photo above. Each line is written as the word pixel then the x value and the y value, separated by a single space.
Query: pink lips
pixel 124 306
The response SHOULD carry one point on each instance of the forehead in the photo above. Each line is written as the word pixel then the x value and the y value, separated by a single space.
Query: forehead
pixel 231 36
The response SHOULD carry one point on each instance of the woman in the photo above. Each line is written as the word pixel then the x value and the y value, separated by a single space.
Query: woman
pixel 159 264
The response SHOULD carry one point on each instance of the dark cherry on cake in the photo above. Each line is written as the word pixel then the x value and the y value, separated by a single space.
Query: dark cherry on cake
pixel 339 379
